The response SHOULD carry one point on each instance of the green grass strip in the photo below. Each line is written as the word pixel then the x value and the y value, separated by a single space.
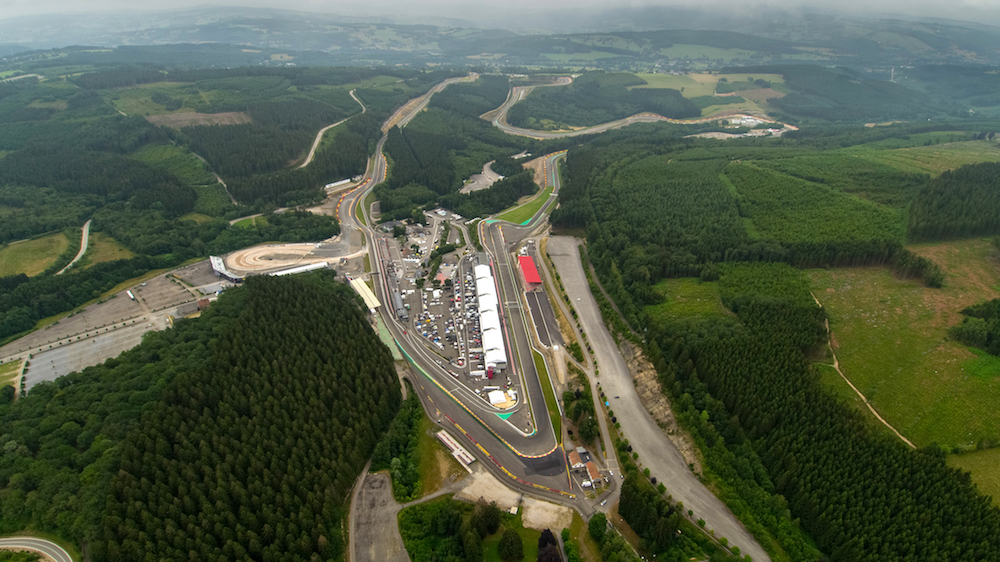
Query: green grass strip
pixel 550 397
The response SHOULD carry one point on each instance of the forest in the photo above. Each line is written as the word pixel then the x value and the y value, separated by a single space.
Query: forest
pixel 980 328
pixel 658 206
pixel 594 98
pixel 958 204
pixel 748 388
pixel 148 455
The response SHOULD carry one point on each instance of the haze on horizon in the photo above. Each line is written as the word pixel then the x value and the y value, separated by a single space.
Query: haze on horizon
pixel 481 12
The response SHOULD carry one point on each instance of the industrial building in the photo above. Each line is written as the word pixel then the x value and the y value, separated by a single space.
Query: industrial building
pixel 494 350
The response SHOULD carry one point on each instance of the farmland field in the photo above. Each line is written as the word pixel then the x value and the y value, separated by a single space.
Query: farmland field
pixel 891 339
pixel 33 256
pixel 700 84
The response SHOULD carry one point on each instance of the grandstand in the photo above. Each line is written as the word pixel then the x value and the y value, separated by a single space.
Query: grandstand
pixel 219 267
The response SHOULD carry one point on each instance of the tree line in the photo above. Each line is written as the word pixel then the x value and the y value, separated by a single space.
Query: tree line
pixel 959 203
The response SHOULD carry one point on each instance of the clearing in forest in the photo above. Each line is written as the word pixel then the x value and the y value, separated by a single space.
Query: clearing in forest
pixel 890 337
pixel 179 120
pixel 33 256
pixel 102 248
pixel 686 298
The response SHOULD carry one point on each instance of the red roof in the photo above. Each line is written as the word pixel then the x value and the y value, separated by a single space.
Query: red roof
pixel 529 270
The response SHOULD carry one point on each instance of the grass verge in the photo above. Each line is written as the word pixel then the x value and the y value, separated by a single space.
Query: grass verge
pixel 550 397
pixel 518 215
pixel 437 467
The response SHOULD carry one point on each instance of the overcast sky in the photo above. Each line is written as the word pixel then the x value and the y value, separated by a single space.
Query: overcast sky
pixel 982 11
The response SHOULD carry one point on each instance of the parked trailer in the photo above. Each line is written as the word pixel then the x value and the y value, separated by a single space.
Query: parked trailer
pixel 130 295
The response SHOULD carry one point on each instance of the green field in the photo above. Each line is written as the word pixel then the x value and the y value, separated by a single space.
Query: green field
pixel 550 398
pixel 102 248
pixel 700 84
pixel 176 160
pixel 518 215
pixel 32 257
pixel 890 337
pixel 984 468
pixel 135 101
pixel 252 221
pixel 686 298
pixel 932 159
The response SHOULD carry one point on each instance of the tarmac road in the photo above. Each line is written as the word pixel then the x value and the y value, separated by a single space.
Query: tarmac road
pixel 537 459
pixel 518 93
pixel 84 239
pixel 656 451
pixel 48 548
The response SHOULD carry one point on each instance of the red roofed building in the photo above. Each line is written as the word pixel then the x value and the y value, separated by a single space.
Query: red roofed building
pixel 595 475
pixel 530 272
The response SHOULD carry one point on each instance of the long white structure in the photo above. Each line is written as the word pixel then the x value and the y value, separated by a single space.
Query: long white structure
pixel 300 269
pixel 495 353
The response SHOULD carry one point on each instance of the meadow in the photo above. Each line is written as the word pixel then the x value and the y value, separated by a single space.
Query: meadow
pixel 684 298
pixel 33 256
pixel 102 248
pixel 890 337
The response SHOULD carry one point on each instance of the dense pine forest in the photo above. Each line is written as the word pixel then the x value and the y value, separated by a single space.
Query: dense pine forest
pixel 597 97
pixel 235 435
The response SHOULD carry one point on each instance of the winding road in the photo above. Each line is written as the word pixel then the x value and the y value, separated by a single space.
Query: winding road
pixel 319 135
pixel 84 239
pixel 499 119
pixel 48 548
pixel 531 459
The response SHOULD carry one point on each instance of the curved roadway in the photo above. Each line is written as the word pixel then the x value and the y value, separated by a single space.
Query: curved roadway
pixel 48 548
pixel 84 240
pixel 319 135
pixel 518 93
